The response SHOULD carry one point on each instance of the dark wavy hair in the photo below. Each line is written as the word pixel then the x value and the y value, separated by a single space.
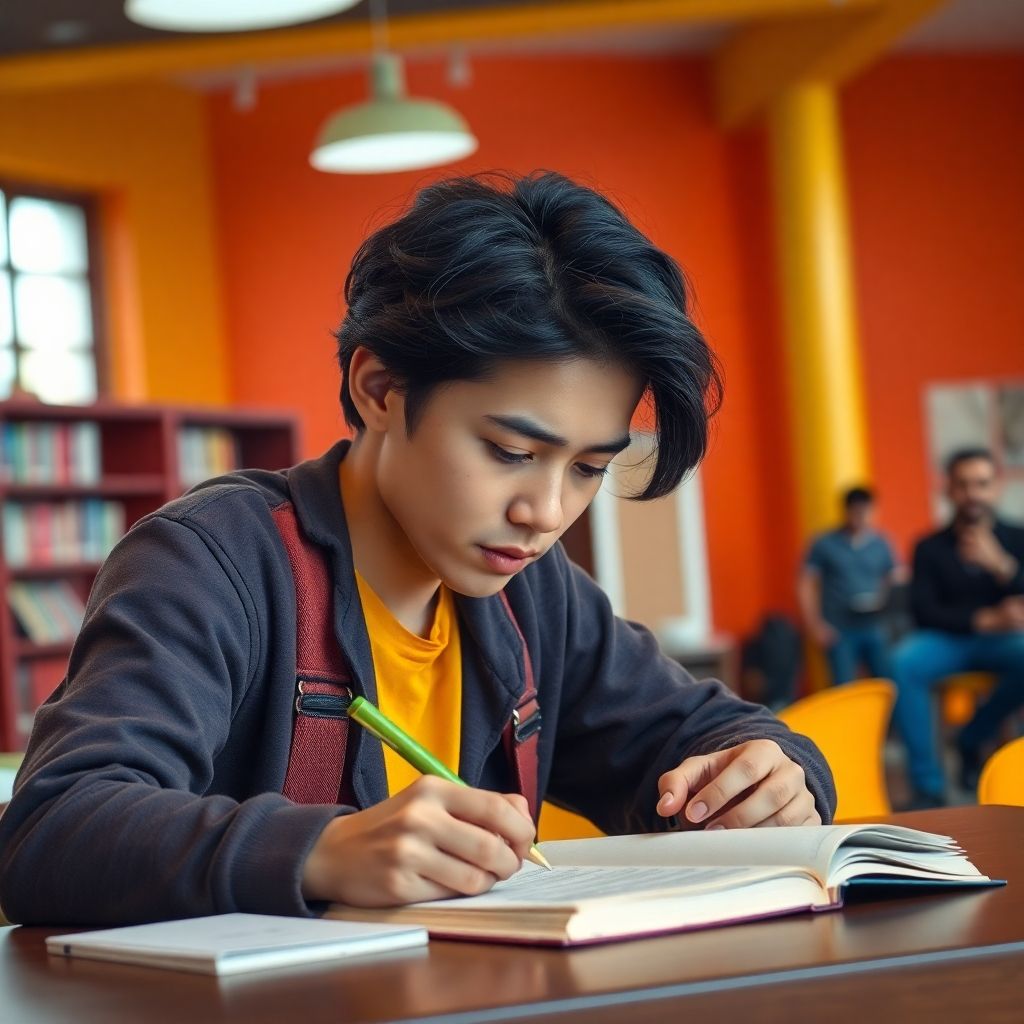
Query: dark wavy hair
pixel 491 268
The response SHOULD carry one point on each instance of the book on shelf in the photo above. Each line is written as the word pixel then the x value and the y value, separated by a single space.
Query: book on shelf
pixel 28 615
pixel 61 532
pixel 205 452
pixel 620 887
pixel 48 611
pixel 41 452
pixel 233 943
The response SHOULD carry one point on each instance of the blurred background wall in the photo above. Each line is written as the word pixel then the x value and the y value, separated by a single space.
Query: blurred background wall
pixel 224 253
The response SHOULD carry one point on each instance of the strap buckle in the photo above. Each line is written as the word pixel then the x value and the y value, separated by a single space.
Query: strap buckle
pixel 524 728
pixel 320 704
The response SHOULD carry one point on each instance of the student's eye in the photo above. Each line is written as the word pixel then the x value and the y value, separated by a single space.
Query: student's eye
pixel 504 455
pixel 591 472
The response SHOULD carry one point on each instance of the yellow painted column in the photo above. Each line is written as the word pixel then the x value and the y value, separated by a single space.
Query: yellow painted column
pixel 826 387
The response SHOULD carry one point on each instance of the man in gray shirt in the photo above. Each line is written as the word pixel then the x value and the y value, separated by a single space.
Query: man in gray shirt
pixel 843 589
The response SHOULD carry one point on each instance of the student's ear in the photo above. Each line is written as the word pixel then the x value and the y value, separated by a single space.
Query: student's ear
pixel 369 382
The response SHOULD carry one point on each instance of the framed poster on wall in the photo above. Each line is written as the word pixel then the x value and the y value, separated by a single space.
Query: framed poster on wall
pixel 978 414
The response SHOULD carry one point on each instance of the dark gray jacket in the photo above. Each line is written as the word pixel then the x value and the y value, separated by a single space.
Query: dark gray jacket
pixel 152 783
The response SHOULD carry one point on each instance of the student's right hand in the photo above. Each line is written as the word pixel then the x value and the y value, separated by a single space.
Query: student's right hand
pixel 434 839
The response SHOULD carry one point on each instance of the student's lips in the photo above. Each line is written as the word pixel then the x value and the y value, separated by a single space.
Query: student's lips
pixel 507 560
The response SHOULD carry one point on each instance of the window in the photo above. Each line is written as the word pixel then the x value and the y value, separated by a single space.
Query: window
pixel 48 335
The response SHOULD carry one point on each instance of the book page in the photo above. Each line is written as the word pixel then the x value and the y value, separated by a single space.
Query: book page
pixel 568 887
pixel 891 851
pixel 808 847
pixel 812 847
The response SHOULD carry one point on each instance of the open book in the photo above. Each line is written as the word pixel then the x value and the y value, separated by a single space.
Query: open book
pixel 231 943
pixel 630 886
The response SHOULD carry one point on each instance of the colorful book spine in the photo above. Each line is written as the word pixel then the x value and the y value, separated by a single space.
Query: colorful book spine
pixel 205 452
pixel 50 453
pixel 7 452
pixel 48 611
pixel 40 533
pixel 15 526
pixel 85 460
pixel 28 614
pixel 61 532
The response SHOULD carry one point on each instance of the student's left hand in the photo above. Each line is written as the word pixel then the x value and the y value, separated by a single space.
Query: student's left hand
pixel 746 786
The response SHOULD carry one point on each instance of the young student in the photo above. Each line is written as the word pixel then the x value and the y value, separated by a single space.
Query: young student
pixel 498 338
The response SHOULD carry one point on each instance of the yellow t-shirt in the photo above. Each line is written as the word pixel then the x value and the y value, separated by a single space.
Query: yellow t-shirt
pixel 419 681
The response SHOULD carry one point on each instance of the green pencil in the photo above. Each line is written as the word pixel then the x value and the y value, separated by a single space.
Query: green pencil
pixel 371 719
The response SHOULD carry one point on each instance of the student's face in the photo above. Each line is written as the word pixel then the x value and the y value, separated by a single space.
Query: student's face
pixel 973 489
pixel 496 470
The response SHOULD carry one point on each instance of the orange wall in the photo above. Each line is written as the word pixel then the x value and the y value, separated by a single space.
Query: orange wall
pixel 225 253
pixel 143 149
pixel 935 149
pixel 640 129
pixel 935 157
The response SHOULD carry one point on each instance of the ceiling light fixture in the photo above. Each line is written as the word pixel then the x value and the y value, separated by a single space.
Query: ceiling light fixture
pixel 390 132
pixel 229 15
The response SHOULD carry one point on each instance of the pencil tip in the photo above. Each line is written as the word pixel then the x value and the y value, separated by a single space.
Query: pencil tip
pixel 538 858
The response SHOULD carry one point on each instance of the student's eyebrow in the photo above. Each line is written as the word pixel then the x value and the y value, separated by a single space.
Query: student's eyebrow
pixel 533 430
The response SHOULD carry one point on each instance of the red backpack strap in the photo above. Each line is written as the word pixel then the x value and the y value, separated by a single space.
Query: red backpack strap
pixel 523 730
pixel 316 762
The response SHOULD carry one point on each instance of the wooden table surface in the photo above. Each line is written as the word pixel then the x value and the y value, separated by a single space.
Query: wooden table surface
pixel 950 956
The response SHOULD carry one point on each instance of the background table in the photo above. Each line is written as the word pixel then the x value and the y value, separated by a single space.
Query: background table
pixel 949 956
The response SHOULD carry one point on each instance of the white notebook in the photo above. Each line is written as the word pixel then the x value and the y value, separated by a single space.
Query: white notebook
pixel 232 943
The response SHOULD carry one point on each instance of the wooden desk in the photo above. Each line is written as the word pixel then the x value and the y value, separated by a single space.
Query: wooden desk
pixel 934 957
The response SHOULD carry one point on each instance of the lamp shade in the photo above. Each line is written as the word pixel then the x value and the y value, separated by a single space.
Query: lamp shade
pixel 228 15
pixel 391 132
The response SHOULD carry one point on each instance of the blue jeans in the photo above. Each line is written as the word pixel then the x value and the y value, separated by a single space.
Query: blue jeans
pixel 858 645
pixel 926 657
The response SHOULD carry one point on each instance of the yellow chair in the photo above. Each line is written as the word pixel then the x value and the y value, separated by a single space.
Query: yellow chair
pixel 555 823
pixel 1002 778
pixel 960 694
pixel 849 723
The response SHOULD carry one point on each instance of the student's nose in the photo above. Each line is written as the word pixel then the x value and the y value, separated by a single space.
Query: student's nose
pixel 539 506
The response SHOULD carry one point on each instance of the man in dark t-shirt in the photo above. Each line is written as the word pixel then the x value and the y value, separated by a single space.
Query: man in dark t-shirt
pixel 967 598
pixel 843 589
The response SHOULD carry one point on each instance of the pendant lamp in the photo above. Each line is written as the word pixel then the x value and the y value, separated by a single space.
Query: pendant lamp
pixel 228 15
pixel 391 132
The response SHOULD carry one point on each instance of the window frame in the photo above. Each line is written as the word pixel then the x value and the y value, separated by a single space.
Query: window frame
pixel 89 204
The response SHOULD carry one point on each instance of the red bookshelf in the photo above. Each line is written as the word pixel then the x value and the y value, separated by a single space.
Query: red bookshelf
pixel 63 484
